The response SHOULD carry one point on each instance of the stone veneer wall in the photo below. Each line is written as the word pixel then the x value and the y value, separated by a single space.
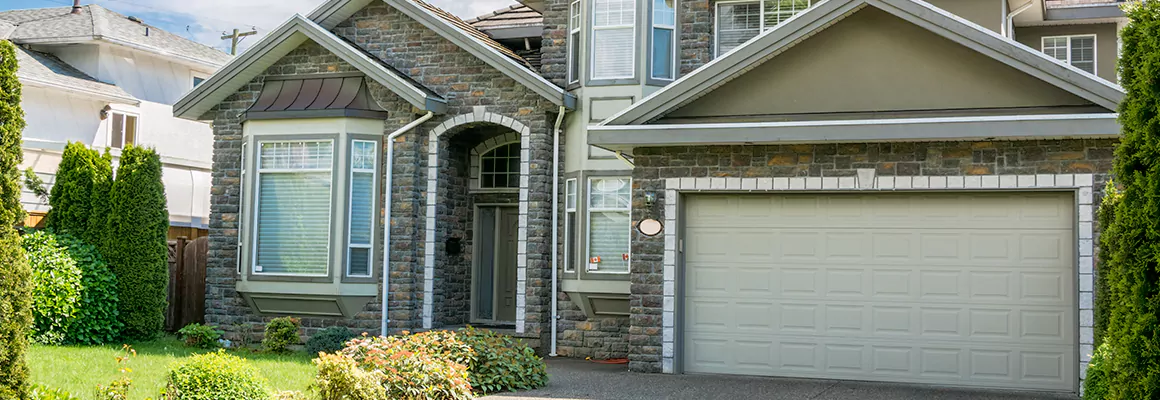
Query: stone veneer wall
pixel 582 337
pixel 435 62
pixel 696 19
pixel 654 165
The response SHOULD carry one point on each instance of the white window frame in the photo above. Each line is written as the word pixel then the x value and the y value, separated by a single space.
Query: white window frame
pixel 1069 38
pixel 588 225
pixel 125 119
pixel 350 208
pixel 571 202
pixel 762 27
pixel 242 210
pixel 258 200
pixel 592 46
pixel 194 75
pixel 575 31
pixel 672 44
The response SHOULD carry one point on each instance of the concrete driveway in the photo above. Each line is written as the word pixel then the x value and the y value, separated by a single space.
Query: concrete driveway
pixel 582 380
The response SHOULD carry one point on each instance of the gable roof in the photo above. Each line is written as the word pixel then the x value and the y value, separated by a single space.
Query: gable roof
pixel 59 25
pixel 282 41
pixel 462 34
pixel 45 70
pixel 772 43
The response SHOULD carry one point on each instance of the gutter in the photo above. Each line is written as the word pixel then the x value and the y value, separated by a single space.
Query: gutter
pixel 73 89
pixel 1009 22
pixel 556 224
pixel 389 172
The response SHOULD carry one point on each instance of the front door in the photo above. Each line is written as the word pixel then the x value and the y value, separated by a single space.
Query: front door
pixel 494 288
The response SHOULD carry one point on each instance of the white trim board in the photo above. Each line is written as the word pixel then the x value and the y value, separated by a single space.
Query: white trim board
pixel 867 181
pixel 829 12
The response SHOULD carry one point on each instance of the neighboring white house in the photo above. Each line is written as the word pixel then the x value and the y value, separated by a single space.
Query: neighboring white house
pixel 92 75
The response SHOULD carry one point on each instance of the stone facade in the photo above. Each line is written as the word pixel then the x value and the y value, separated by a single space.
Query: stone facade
pixel 467 83
pixel 696 19
pixel 655 165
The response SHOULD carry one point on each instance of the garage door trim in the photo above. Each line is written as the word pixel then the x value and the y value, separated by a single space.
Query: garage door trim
pixel 1080 184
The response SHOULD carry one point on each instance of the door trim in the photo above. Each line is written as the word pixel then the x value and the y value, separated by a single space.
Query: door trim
pixel 475 252
pixel 866 181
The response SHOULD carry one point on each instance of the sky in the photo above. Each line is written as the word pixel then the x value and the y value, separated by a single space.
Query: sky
pixel 204 21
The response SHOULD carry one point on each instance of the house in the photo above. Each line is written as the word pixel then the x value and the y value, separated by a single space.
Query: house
pixel 94 76
pixel 884 190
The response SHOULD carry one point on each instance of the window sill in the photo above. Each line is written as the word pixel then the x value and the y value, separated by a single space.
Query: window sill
pixel 599 298
pixel 307 299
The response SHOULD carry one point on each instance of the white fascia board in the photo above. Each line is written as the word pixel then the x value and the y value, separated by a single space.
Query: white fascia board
pixel 885 130
pixel 822 15
pixel 32 82
pixel 276 45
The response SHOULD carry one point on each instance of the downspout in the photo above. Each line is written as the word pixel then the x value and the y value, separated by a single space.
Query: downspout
pixel 389 172
pixel 1009 23
pixel 555 223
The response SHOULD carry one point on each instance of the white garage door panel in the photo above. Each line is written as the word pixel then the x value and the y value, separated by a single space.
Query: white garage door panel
pixel 961 289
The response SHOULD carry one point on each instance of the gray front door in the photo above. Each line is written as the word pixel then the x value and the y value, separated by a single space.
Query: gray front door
pixel 495 274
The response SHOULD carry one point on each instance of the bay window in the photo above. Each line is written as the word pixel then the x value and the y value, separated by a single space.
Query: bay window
pixel 664 39
pixel 1078 51
pixel 293 203
pixel 360 240
pixel 613 39
pixel 740 21
pixel 575 23
pixel 609 224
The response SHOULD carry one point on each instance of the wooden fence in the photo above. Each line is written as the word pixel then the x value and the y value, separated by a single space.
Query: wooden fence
pixel 187 259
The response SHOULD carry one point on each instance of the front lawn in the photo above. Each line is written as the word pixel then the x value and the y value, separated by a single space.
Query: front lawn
pixel 79 369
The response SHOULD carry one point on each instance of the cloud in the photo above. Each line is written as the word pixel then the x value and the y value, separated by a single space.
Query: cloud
pixel 206 20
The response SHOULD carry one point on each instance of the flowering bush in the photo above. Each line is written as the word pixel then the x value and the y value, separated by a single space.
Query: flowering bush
pixel 429 366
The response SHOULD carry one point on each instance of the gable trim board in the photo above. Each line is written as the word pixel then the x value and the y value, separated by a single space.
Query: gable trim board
pixel 334 12
pixel 799 28
pixel 856 131
pixel 282 41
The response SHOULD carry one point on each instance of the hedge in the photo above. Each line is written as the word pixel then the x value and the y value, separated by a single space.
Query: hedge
pixel 72 191
pixel 135 242
pixel 96 320
pixel 1130 267
pixel 56 287
pixel 15 275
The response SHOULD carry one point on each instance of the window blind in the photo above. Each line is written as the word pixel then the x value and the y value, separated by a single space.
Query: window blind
pixel 1083 53
pixel 362 207
pixel 736 24
pixel 613 39
pixel 609 223
pixel 293 232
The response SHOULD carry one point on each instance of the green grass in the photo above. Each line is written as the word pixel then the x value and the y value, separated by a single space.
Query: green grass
pixel 79 369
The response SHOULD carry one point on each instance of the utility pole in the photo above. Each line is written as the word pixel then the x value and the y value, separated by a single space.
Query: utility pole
pixel 237 38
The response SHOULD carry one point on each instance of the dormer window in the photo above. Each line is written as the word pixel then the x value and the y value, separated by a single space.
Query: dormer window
pixel 613 39
pixel 575 21
pixel 740 21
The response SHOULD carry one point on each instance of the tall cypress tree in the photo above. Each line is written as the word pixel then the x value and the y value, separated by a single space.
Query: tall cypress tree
pixel 1132 270
pixel 15 274
pixel 135 243
pixel 73 189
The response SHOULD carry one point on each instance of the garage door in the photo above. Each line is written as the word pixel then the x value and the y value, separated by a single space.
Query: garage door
pixel 954 289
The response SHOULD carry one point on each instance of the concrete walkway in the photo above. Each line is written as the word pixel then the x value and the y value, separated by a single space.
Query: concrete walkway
pixel 582 380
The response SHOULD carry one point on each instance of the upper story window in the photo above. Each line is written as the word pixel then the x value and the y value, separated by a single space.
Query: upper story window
pixel 1079 50
pixel 570 226
pixel 500 167
pixel 740 21
pixel 613 39
pixel 575 23
pixel 122 130
pixel 293 206
pixel 664 30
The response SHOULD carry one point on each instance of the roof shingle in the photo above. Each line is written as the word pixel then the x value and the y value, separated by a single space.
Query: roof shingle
pixel 46 68
pixel 96 22
pixel 473 32
pixel 509 17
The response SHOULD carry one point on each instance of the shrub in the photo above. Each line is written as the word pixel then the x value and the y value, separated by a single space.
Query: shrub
pixel 214 376
pixel 1107 248
pixel 56 291
pixel 41 392
pixel 1131 266
pixel 119 388
pixel 281 333
pixel 329 340
pixel 502 364
pixel 96 321
pixel 15 275
pixel 432 373
pixel 289 395
pixel 341 378
pixel 135 243
pixel 198 335
pixel 71 195
pixel 99 204
pixel 1095 385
